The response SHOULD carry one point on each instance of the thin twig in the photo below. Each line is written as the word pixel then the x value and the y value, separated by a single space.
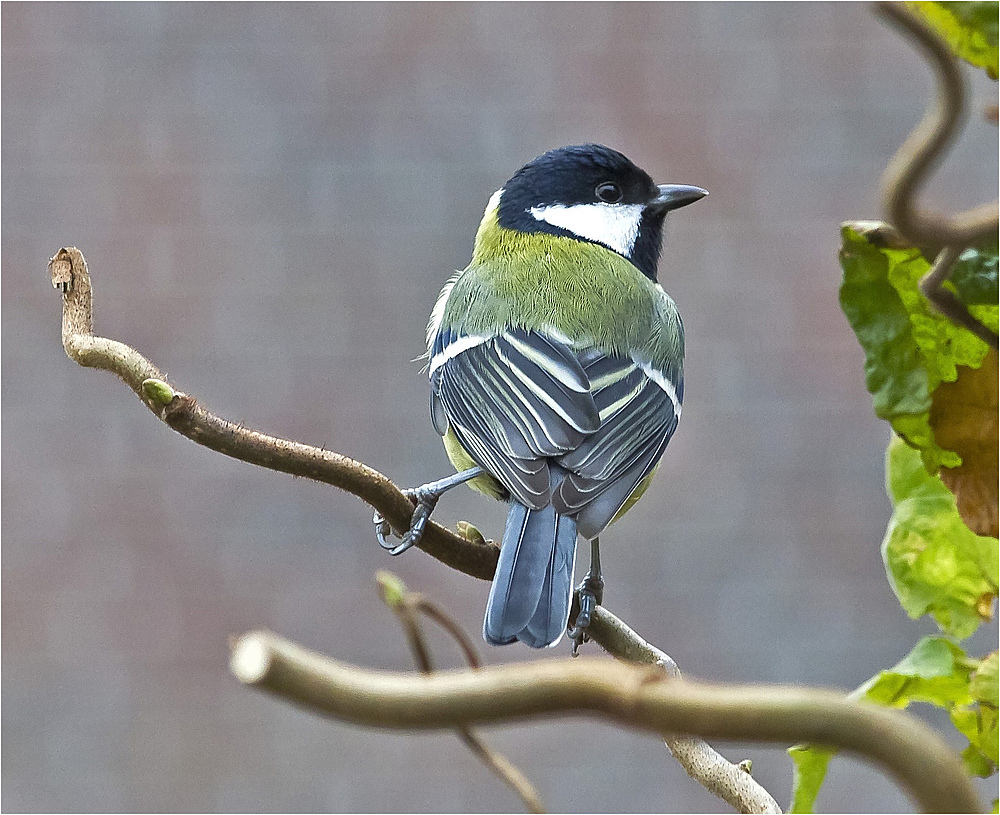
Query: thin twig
pixel 730 782
pixel 946 301
pixel 942 235
pixel 632 695
pixel 503 768
pixel 405 605
pixel 433 611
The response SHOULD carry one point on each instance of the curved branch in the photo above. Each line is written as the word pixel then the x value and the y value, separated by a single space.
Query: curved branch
pixel 946 301
pixel 924 149
pixel 186 416
pixel 941 235
pixel 638 697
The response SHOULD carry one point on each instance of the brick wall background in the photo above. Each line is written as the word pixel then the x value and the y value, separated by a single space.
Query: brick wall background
pixel 269 197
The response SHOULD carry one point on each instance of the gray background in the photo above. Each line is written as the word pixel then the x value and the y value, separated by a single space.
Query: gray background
pixel 269 198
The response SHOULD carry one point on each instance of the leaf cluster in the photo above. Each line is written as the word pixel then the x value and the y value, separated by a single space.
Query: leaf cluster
pixel 936 384
pixel 938 566
pixel 933 381
pixel 910 349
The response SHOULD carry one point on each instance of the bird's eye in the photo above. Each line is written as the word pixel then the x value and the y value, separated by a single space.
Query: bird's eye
pixel 609 192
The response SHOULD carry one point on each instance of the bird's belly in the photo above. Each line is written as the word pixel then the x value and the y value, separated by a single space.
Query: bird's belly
pixel 635 495
pixel 460 460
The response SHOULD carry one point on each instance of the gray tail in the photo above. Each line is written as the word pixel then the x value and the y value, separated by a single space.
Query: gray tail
pixel 531 592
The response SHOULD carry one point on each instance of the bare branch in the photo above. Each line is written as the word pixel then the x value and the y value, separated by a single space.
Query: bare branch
pixel 631 695
pixel 502 767
pixel 730 782
pixel 946 301
pixel 186 416
pixel 942 235
pixel 923 150
pixel 433 611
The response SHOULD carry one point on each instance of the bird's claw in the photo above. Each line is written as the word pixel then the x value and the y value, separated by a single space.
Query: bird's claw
pixel 383 531
pixel 591 593
pixel 425 500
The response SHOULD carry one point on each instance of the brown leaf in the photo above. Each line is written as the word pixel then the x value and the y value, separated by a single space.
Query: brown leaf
pixel 964 418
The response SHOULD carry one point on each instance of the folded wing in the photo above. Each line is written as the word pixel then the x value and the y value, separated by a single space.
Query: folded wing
pixel 526 405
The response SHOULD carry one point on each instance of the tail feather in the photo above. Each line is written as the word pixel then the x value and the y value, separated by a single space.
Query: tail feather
pixel 530 596
pixel 548 623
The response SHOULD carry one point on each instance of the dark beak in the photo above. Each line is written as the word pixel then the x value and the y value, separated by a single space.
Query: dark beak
pixel 675 196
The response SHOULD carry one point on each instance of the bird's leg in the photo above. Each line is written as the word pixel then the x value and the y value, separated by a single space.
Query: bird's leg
pixel 591 594
pixel 426 497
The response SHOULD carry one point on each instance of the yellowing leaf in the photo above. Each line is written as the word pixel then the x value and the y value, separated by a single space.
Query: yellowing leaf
pixel 984 685
pixel 964 418
pixel 936 564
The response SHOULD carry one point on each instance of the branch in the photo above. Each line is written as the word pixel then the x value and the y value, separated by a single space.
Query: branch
pixel 730 782
pixel 478 559
pixel 187 417
pixel 946 301
pixel 921 153
pixel 925 147
pixel 406 605
pixel 630 695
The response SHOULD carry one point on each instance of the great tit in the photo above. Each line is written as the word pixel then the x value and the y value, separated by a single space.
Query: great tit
pixel 556 374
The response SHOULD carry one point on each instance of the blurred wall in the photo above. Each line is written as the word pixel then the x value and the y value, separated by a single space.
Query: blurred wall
pixel 269 198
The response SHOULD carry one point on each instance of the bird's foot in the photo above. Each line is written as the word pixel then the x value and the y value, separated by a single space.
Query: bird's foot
pixel 425 497
pixel 590 593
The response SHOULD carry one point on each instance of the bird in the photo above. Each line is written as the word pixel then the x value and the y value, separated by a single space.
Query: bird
pixel 556 375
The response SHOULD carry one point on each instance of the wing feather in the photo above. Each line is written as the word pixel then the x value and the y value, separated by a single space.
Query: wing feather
pixel 521 402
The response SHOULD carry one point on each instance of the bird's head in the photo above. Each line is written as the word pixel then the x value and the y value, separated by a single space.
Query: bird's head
pixel 593 193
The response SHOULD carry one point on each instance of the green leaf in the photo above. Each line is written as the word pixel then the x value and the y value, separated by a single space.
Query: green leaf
pixel 979 725
pixel 810 764
pixel 938 672
pixel 978 722
pixel 985 686
pixel 935 563
pixel 976 763
pixel 975 277
pixel 970 29
pixel 935 671
pixel 909 348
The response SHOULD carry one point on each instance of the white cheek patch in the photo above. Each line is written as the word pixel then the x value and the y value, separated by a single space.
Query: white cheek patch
pixel 614 225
